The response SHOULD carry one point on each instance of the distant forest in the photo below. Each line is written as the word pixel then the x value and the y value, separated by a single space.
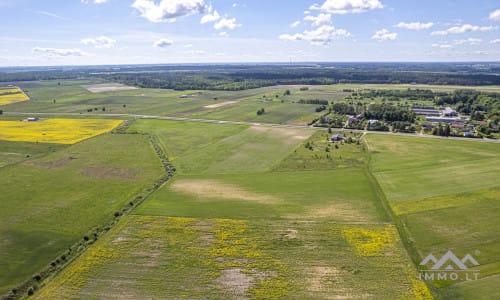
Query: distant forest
pixel 233 77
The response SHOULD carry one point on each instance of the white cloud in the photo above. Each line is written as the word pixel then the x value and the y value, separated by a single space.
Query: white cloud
pixel 414 25
pixel 307 12
pixel 320 36
pixel 223 34
pixel 464 28
pixel 495 41
pixel 442 46
pixel 347 6
pixel 495 15
pixel 480 52
pixel 385 35
pixel 211 17
pixel 321 19
pixel 163 43
pixel 226 23
pixel 95 1
pixel 57 52
pixel 470 41
pixel 169 9
pixel 99 42
pixel 295 24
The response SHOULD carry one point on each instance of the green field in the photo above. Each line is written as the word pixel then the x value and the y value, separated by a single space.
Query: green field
pixel 252 212
pixel 446 194
pixel 49 203
pixel 13 152
pixel 234 228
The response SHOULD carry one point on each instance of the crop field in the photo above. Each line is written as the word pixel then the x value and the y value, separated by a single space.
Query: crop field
pixel 446 193
pixel 253 211
pixel 170 257
pixel 198 148
pixel 55 131
pixel 239 228
pixel 10 95
pixel 51 202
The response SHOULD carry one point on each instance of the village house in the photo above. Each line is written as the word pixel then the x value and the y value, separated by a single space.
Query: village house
pixel 337 137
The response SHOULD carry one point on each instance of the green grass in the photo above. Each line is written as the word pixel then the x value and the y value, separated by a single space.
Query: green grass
pixel 13 152
pixel 178 138
pixel 230 216
pixel 162 257
pixel 446 194
pixel 410 168
pixel 326 195
pixel 199 148
pixel 51 202
pixel 326 155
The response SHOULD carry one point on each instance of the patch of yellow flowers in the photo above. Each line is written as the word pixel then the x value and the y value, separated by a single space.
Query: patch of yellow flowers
pixel 371 241
pixel 11 95
pixel 383 243
pixel 55 131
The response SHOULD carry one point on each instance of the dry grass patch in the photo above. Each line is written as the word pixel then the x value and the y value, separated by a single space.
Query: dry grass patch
pixel 217 105
pixel 343 212
pixel 293 135
pixel 235 283
pixel 53 164
pixel 110 172
pixel 213 189
pixel 107 87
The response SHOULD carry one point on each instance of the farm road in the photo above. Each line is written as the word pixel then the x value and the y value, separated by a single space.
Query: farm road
pixel 172 118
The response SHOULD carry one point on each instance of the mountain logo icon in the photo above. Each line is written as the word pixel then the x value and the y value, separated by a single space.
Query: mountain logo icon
pixel 449 261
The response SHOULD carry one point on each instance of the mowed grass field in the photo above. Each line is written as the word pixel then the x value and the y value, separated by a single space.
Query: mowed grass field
pixel 49 203
pixel 55 131
pixel 238 227
pixel 447 195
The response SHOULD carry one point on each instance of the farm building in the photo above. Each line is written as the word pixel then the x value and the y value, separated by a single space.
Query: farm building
pixel 441 119
pixel 449 112
pixel 337 137
pixel 426 112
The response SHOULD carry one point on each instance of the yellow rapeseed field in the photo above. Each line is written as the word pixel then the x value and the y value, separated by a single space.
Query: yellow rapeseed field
pixel 11 95
pixel 55 131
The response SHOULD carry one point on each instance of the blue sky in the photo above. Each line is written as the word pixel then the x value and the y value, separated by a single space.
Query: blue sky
pixel 87 32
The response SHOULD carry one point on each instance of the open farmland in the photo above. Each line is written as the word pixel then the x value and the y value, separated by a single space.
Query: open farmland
pixel 230 229
pixel 10 95
pixel 55 131
pixel 253 211
pixel 51 202
pixel 446 194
